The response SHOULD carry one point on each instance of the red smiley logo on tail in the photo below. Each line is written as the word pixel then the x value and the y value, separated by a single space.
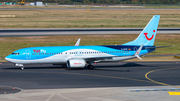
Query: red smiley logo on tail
pixel 147 37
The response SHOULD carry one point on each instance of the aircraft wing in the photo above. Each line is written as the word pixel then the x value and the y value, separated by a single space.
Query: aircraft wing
pixel 114 58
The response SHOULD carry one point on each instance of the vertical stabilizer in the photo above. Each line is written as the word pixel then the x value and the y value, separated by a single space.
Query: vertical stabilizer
pixel 147 36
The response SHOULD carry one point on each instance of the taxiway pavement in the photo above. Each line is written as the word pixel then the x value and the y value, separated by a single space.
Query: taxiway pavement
pixel 125 74
pixel 106 82
pixel 78 31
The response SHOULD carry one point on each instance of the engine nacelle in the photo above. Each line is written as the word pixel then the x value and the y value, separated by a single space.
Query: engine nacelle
pixel 76 63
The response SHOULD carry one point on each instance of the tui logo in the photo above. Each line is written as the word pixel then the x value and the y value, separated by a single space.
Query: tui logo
pixel 149 39
pixel 38 51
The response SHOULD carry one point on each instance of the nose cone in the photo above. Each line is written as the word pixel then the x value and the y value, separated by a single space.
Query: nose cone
pixel 8 58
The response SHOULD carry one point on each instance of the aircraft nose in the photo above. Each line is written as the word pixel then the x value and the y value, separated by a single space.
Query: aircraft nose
pixel 8 59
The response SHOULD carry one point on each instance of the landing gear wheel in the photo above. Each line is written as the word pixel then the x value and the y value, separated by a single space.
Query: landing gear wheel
pixel 90 67
pixel 22 68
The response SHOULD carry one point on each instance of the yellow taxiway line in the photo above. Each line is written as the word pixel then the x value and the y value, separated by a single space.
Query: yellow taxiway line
pixel 146 76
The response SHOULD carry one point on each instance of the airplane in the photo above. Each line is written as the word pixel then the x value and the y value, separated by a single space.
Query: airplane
pixel 83 56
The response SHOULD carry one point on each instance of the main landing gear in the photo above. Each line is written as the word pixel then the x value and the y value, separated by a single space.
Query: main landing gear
pixel 22 68
pixel 90 67
pixel 19 65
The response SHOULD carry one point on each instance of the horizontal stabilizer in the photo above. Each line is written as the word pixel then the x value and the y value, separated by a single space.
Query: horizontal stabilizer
pixel 158 47
pixel 164 46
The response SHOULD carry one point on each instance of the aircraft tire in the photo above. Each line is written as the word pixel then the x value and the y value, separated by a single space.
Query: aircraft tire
pixel 90 67
pixel 22 68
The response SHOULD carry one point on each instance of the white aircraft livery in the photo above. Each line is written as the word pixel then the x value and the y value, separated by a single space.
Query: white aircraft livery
pixel 83 56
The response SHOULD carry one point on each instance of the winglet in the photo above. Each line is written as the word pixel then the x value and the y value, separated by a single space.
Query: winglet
pixel 78 42
pixel 138 52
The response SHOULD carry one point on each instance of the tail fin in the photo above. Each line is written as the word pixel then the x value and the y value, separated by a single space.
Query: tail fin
pixel 147 36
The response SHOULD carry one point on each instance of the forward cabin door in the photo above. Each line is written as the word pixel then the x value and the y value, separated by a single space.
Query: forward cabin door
pixel 28 54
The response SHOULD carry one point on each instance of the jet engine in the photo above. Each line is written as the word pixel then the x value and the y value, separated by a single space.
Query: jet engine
pixel 76 63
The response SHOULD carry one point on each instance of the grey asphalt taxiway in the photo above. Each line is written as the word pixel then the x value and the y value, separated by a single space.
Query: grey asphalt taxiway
pixel 116 74
pixel 79 31
pixel 117 81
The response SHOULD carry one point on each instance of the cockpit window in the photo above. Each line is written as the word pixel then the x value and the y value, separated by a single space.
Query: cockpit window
pixel 15 53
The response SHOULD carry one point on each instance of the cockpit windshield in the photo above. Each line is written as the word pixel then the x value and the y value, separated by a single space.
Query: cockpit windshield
pixel 15 53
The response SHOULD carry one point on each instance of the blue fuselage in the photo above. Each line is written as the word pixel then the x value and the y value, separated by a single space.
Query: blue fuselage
pixel 60 54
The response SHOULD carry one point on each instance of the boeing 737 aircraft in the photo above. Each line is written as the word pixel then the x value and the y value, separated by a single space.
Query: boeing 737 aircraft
pixel 82 56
